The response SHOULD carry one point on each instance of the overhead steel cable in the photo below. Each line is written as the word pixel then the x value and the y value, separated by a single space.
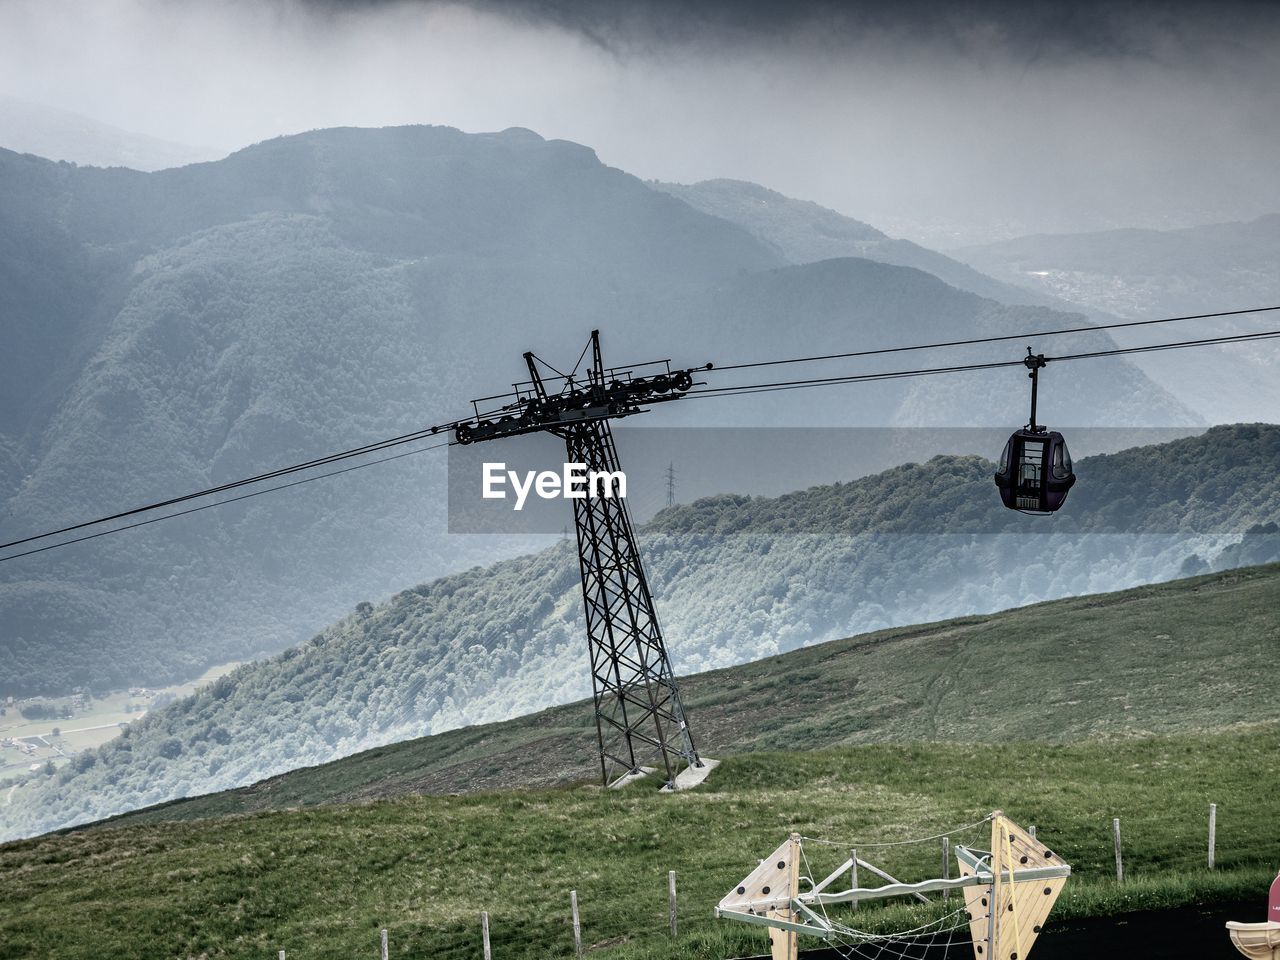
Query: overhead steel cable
pixel 937 345
pixel 733 390
pixel 996 339
pixel 749 388
pixel 217 503
pixel 234 484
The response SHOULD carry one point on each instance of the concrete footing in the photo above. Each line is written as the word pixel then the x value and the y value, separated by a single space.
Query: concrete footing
pixel 690 777
pixel 686 779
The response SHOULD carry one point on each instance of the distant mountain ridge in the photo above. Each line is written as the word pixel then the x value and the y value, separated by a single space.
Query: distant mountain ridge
pixel 804 232
pixel 1135 273
pixel 738 578
pixel 1107 276
pixel 1146 274
pixel 46 131
pixel 177 329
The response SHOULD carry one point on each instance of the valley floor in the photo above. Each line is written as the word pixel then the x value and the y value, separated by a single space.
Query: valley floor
pixel 81 723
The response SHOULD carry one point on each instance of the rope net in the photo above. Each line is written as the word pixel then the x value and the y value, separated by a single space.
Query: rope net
pixel 931 941
pixel 902 928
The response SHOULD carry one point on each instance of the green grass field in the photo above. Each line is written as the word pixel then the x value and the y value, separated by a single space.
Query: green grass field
pixel 319 882
pixel 1145 705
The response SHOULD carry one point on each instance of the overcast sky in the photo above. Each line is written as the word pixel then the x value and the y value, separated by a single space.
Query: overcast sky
pixel 946 123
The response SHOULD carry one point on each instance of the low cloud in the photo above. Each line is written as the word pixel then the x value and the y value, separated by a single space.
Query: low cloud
pixel 948 123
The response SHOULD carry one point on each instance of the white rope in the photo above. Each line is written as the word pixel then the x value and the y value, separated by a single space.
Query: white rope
pixel 908 945
pixel 902 934
pixel 809 870
pixel 884 945
pixel 899 843
pixel 933 938
pixel 915 943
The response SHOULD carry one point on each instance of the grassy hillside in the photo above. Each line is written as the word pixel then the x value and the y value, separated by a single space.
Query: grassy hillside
pixel 1064 714
pixel 737 579
pixel 320 882
pixel 1179 657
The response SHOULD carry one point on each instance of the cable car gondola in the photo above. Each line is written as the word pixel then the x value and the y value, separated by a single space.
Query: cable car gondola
pixel 1034 473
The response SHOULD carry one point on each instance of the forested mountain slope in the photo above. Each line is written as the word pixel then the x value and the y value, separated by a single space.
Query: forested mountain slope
pixel 173 330
pixel 737 579
pixel 185 328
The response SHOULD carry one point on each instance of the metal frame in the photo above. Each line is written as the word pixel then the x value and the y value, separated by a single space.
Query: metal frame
pixel 1034 363
pixel 638 709
pixel 821 930
pixel 983 878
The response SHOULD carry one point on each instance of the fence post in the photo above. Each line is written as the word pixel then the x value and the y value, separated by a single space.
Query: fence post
pixel 484 931
pixel 577 927
pixel 384 943
pixel 671 900
pixel 1115 830
pixel 946 865
pixel 853 873
pixel 1213 831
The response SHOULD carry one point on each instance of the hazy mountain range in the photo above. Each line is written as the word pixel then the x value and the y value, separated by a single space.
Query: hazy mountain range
pixel 1111 275
pixel 804 232
pixel 170 330
pixel 1145 274
pixel 737 579
pixel 42 130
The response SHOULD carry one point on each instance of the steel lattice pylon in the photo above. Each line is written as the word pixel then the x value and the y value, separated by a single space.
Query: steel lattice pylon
pixel 639 716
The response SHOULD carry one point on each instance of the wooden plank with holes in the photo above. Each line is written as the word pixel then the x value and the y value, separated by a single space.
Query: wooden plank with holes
pixel 977 904
pixel 1021 906
pixel 767 892
pixel 1007 913
pixel 768 885
pixel 785 944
